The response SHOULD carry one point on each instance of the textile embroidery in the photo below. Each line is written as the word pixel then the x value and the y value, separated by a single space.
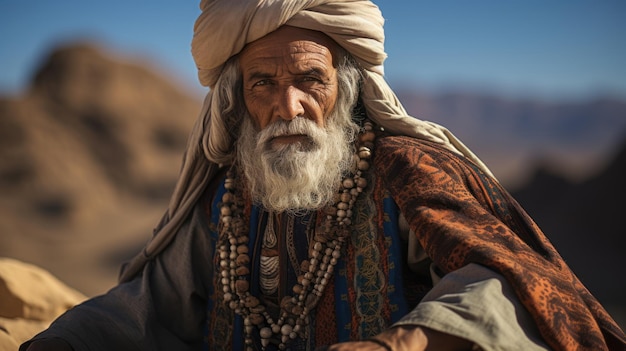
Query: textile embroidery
pixel 368 273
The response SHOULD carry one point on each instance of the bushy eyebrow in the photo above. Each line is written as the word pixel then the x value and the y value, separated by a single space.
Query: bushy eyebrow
pixel 315 71
pixel 256 75
pixel 318 72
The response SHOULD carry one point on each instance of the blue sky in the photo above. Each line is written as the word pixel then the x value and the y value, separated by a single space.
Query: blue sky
pixel 548 48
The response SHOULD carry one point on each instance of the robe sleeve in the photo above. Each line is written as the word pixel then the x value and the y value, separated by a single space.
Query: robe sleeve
pixel 456 306
pixel 162 308
pixel 461 216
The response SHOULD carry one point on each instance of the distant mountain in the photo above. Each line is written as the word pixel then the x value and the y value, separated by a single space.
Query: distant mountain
pixel 577 137
pixel 90 126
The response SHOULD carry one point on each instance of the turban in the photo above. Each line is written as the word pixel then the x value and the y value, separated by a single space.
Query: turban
pixel 223 29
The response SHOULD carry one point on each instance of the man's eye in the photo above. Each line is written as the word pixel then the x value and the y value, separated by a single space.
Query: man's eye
pixel 311 79
pixel 261 83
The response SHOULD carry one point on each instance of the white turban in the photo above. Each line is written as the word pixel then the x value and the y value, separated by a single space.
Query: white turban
pixel 223 29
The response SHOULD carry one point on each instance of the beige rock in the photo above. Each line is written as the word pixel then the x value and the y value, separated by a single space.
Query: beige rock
pixel 20 330
pixel 7 343
pixel 32 293
pixel 30 298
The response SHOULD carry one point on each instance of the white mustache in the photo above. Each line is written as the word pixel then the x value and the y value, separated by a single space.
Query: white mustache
pixel 297 126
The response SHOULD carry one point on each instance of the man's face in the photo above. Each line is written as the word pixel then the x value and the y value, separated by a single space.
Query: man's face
pixel 286 74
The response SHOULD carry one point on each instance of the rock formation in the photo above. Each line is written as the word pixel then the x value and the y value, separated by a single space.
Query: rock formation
pixel 30 298
pixel 90 154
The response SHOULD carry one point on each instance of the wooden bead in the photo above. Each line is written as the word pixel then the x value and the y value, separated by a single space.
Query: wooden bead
pixel 361 182
pixel 242 270
pixel 364 165
pixel 243 260
pixel 286 329
pixel 286 301
pixel 310 301
pixel 345 197
pixel 367 136
pixel 365 153
pixel 227 197
pixel 251 301
pixel 225 211
pixel 256 318
pixel 265 332
pixel 348 183
pixel 297 289
pixel 257 309
pixel 320 238
pixel 229 183
pixel 242 286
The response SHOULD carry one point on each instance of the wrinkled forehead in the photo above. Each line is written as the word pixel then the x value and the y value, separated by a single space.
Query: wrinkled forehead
pixel 288 40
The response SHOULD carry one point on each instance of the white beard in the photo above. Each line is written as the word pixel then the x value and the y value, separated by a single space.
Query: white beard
pixel 299 176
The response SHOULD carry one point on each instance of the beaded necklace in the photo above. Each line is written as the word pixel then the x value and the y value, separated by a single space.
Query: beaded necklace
pixel 324 252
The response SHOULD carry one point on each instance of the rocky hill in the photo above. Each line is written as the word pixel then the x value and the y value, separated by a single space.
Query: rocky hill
pixel 30 299
pixel 89 156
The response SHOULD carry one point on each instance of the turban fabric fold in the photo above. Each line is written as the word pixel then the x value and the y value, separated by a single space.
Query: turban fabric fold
pixel 222 30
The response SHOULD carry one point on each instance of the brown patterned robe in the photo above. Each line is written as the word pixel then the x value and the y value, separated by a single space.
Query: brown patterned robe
pixel 461 215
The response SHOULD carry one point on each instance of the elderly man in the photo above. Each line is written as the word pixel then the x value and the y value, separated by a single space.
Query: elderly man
pixel 313 213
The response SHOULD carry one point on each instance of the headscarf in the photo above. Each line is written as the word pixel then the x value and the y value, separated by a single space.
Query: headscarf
pixel 222 30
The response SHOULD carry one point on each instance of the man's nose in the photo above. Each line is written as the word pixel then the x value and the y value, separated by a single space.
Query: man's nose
pixel 289 103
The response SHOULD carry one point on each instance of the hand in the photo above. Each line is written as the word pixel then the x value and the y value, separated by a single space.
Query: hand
pixel 354 345
pixel 407 338
pixel 51 344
